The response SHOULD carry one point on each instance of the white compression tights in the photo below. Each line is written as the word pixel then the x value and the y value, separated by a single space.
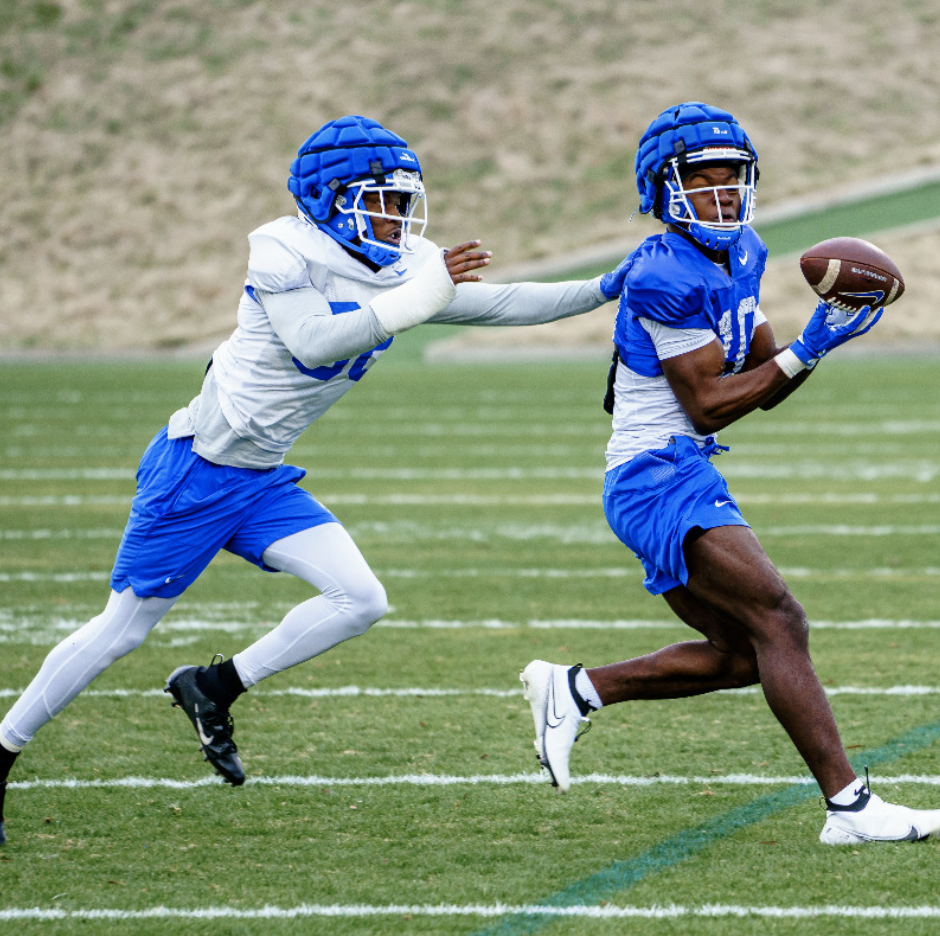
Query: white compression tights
pixel 351 600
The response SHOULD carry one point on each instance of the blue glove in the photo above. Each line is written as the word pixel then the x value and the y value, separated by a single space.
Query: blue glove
pixel 612 283
pixel 830 327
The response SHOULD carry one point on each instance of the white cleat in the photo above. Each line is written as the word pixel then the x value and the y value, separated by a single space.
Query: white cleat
pixel 557 718
pixel 878 821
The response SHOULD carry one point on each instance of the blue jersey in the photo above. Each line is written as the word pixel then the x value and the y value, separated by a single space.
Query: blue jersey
pixel 672 282
pixel 674 296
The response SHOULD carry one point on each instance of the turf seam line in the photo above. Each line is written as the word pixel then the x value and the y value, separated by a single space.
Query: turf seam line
pixel 622 875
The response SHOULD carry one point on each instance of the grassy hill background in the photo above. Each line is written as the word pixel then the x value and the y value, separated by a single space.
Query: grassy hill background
pixel 142 141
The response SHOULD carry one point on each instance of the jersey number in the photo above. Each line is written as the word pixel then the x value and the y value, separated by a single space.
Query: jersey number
pixel 735 332
pixel 360 365
pixel 329 371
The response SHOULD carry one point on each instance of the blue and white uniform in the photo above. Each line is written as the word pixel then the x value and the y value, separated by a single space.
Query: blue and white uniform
pixel 659 482
pixel 279 373
pixel 214 477
pixel 217 470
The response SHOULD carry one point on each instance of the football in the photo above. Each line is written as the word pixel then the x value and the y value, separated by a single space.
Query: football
pixel 850 273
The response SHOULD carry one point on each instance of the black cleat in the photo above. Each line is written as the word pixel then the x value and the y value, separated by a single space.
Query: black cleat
pixel 3 834
pixel 213 724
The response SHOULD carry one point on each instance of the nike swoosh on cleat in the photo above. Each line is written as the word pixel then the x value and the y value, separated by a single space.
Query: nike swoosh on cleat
pixel 550 712
pixel 203 737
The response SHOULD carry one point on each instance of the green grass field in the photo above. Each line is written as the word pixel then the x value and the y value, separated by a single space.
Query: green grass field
pixel 392 782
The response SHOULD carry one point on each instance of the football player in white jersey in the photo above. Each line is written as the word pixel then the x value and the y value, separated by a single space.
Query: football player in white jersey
pixel 694 353
pixel 326 293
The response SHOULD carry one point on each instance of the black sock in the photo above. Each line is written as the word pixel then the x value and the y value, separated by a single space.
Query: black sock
pixel 6 762
pixel 221 683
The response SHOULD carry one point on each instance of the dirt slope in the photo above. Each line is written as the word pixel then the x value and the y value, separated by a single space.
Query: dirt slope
pixel 143 139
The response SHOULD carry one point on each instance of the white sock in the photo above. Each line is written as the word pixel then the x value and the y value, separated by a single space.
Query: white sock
pixel 582 682
pixel 849 794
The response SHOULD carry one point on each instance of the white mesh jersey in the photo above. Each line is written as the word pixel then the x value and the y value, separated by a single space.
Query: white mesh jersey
pixel 257 398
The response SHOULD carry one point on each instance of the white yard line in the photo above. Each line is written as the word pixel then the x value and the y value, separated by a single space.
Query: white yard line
pixel 834 498
pixel 447 780
pixel 849 469
pixel 13 623
pixel 581 533
pixel 793 572
pixel 346 692
pixel 605 911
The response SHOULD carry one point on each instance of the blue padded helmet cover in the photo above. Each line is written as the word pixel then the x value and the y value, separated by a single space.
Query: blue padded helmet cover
pixel 343 151
pixel 678 130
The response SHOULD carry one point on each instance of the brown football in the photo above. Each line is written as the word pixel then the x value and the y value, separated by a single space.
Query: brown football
pixel 850 273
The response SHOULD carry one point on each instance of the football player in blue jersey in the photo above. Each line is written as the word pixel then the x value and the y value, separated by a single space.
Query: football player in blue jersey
pixel 327 291
pixel 694 353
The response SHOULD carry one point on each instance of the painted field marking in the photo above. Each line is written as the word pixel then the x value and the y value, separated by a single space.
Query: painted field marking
pixel 921 469
pixel 615 572
pixel 347 692
pixel 458 499
pixel 606 912
pixel 41 629
pixel 582 534
pixel 622 875
pixel 447 780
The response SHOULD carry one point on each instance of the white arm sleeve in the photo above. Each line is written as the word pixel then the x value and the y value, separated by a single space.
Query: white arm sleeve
pixel 414 302
pixel 520 303
pixel 305 323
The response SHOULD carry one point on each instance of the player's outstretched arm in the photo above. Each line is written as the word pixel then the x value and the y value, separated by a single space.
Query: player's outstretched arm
pixel 712 400
pixel 431 290
pixel 520 303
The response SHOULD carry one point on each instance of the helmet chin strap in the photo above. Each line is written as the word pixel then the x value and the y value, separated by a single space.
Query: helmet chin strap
pixel 715 254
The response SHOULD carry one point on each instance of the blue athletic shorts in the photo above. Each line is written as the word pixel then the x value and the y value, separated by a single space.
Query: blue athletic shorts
pixel 186 509
pixel 655 499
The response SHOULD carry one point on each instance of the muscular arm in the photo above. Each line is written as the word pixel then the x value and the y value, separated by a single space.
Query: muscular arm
pixel 711 401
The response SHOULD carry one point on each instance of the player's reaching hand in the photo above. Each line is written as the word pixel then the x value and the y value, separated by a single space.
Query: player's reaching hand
pixel 612 283
pixel 463 258
pixel 828 328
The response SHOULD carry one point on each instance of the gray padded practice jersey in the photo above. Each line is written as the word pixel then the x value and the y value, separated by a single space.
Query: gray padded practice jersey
pixel 267 385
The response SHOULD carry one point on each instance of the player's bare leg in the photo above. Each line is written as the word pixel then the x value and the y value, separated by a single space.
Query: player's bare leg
pixel 731 573
pixel 761 635
pixel 757 632
pixel 725 660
